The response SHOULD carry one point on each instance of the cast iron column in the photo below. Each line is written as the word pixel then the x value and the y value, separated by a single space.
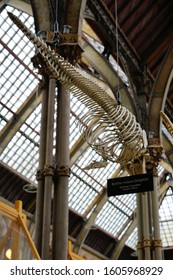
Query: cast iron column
pixel 139 226
pixel 48 171
pixel 156 226
pixel 146 231
pixel 62 173
pixel 40 177
pixel 155 150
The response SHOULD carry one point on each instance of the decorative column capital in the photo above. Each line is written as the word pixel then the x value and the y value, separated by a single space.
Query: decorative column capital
pixel 157 242
pixel 62 170
pixel 155 151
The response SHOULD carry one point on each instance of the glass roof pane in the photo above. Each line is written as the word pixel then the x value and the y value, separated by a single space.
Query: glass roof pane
pixel 166 219
pixel 132 239
pixel 118 209
pixel 80 193
pixel 22 151
pixel 127 203
pixel 111 218
pixel 74 130
pixel 16 84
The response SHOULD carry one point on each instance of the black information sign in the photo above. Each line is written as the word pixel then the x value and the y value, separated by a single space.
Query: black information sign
pixel 130 184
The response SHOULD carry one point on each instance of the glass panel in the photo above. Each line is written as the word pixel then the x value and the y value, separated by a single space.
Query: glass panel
pixel 166 219
pixel 13 242
pixel 132 240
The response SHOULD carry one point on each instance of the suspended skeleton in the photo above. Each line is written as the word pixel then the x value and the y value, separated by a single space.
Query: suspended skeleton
pixel 109 128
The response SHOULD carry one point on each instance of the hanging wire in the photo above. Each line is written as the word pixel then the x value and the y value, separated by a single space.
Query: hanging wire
pixel 56 25
pixel 117 49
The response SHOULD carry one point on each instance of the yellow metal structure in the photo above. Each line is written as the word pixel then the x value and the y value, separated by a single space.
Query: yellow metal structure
pixel 15 240
pixel 71 255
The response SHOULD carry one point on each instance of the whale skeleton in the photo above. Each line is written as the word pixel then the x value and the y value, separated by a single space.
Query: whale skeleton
pixel 110 129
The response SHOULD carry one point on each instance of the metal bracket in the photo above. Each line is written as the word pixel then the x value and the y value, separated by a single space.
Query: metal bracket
pixel 157 243
pixel 62 170
pixel 48 170
pixel 140 245
pixel 39 174
pixel 147 243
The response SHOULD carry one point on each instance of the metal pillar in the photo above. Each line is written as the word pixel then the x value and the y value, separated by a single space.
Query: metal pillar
pixel 143 221
pixel 62 173
pixel 140 226
pixel 146 232
pixel 155 150
pixel 143 218
pixel 155 207
pixel 40 178
pixel 48 171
